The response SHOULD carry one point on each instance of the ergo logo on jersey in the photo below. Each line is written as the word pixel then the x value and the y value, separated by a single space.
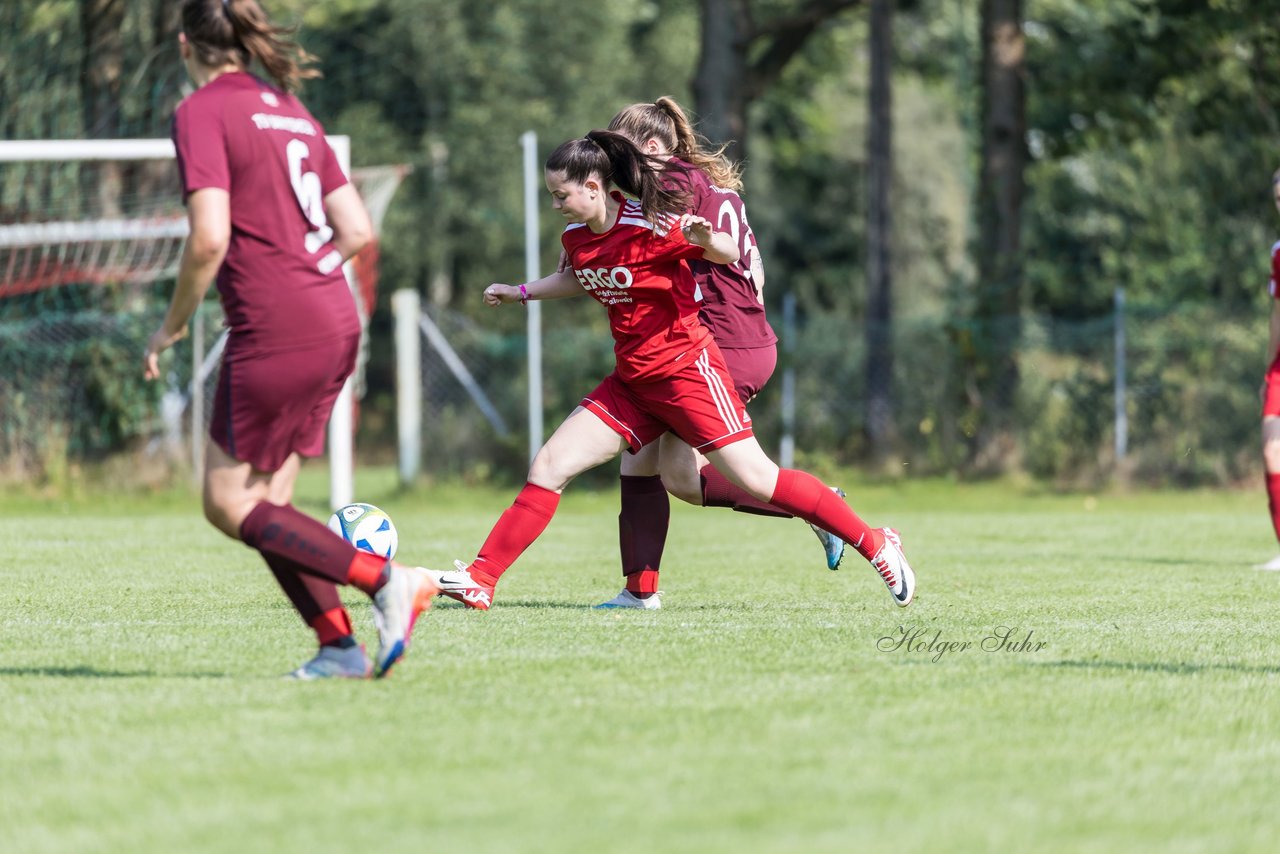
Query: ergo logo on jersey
pixel 605 277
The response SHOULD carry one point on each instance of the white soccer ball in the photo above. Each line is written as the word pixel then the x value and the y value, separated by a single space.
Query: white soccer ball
pixel 367 528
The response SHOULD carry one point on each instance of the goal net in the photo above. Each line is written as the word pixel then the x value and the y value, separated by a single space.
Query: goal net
pixel 90 237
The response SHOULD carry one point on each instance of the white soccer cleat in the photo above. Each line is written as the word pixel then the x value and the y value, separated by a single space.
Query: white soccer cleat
pixel 458 584
pixel 627 599
pixel 1272 565
pixel 892 565
pixel 396 607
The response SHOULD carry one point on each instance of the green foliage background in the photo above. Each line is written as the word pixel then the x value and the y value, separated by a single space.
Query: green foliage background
pixel 1151 134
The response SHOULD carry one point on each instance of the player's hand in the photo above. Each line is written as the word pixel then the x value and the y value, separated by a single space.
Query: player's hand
pixel 696 229
pixel 564 262
pixel 496 294
pixel 160 340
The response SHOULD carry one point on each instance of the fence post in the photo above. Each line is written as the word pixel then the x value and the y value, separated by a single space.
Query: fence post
pixel 787 453
pixel 406 307
pixel 532 177
pixel 1122 412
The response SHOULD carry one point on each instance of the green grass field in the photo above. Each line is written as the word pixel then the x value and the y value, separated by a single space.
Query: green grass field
pixel 141 709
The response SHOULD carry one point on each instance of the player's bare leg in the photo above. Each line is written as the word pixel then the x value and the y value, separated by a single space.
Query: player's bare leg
pixel 241 501
pixel 581 442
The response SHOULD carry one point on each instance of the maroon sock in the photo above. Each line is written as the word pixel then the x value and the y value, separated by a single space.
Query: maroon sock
pixel 807 497
pixel 642 531
pixel 719 491
pixel 310 547
pixel 310 596
pixel 1273 501
pixel 516 529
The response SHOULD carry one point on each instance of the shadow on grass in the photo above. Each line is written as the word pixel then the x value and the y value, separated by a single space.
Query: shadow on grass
pixel 84 671
pixel 444 603
pixel 1180 669
pixel 576 606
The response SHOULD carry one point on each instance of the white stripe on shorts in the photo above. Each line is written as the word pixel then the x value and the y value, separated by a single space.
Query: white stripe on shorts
pixel 722 398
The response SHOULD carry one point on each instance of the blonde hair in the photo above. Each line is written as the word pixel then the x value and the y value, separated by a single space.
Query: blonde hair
pixel 665 121
pixel 238 31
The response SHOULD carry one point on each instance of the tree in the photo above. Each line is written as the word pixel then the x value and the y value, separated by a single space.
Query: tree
pixel 740 59
pixel 879 317
pixel 101 78
pixel 1001 182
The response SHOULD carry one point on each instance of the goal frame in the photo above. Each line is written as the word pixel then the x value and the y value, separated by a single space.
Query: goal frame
pixel 340 439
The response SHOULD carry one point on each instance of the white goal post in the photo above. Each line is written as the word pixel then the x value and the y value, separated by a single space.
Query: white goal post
pixel 95 244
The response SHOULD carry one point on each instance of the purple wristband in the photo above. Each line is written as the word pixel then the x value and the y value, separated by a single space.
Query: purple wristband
pixel 524 295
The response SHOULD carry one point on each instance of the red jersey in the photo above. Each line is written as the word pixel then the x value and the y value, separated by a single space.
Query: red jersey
pixel 731 306
pixel 637 270
pixel 1272 288
pixel 281 283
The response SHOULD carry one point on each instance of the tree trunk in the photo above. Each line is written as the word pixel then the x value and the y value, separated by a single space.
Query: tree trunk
pixel 739 61
pixel 719 85
pixel 101 73
pixel 998 307
pixel 879 318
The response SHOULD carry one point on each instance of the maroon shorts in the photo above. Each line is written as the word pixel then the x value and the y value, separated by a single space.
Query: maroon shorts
pixel 750 368
pixel 697 403
pixel 273 404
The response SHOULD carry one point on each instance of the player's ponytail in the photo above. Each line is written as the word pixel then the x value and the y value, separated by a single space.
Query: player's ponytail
pixel 618 161
pixel 639 175
pixel 238 31
pixel 665 120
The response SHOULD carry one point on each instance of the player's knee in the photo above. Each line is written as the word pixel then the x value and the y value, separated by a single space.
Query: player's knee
pixel 225 515
pixel 546 471
pixel 683 485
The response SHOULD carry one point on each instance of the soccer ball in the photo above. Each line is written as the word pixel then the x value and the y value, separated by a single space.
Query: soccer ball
pixel 367 528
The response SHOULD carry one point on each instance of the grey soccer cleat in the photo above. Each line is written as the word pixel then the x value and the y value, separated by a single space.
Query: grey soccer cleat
pixel 334 663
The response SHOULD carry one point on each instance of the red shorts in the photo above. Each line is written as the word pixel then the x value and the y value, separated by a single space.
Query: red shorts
pixel 273 404
pixel 1271 401
pixel 697 403
pixel 750 368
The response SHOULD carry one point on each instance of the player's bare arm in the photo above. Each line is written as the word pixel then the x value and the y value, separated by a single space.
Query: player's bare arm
pixel 719 247
pixel 556 286
pixel 209 213
pixel 352 229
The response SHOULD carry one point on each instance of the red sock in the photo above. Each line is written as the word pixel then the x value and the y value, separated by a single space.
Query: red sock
pixel 807 497
pixel 642 531
pixel 332 627
pixel 1273 501
pixel 643 583
pixel 517 528
pixel 311 547
pixel 719 491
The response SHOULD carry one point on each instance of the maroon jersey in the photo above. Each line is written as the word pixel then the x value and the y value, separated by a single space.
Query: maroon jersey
pixel 637 270
pixel 281 284
pixel 731 306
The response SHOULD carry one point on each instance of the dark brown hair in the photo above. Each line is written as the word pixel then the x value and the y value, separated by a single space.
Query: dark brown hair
pixel 222 31
pixel 665 121
pixel 618 160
